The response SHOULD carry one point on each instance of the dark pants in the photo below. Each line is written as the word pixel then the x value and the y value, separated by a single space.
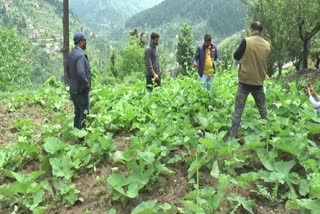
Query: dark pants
pixel 151 83
pixel 241 98
pixel 81 109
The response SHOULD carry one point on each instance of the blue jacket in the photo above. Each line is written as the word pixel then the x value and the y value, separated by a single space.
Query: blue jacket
pixel 79 72
pixel 200 57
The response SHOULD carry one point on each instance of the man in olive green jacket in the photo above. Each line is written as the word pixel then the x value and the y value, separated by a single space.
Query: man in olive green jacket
pixel 253 54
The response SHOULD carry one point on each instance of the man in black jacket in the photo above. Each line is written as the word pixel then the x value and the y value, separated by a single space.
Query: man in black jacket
pixel 79 72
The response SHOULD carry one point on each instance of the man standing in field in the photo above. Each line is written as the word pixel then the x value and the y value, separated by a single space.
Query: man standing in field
pixel 79 72
pixel 152 72
pixel 204 59
pixel 253 54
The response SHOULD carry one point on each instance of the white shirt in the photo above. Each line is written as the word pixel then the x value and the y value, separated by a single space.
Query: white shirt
pixel 315 101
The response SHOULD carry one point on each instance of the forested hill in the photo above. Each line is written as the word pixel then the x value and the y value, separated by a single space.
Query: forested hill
pixel 39 23
pixel 219 16
pixel 105 15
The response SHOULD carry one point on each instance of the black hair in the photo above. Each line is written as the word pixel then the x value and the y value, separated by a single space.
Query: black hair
pixel 207 37
pixel 256 26
pixel 155 35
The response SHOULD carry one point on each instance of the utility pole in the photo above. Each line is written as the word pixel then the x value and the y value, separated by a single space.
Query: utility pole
pixel 66 47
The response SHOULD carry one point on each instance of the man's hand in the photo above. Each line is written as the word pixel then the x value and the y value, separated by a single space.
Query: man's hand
pixel 156 77
pixel 194 65
pixel 311 88
pixel 308 91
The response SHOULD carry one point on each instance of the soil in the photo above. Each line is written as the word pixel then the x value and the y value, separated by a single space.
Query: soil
pixel 308 75
pixel 35 113
pixel 94 196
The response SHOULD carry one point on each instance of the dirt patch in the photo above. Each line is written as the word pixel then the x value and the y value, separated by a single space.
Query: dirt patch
pixel 274 208
pixel 308 75
pixel 122 141
pixel 169 188
pixel 94 196
pixel 39 116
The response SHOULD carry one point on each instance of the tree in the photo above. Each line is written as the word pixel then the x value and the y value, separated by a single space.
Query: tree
pixel 269 13
pixel 132 57
pixel 185 50
pixel 307 20
pixel 227 48
pixel 290 25
pixel 15 72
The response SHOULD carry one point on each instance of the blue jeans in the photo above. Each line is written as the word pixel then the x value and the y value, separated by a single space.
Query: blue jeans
pixel 206 82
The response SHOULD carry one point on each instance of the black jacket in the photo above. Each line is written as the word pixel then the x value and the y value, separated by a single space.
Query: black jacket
pixel 79 72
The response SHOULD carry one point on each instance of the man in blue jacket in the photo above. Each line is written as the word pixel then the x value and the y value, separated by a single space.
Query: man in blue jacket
pixel 79 72
pixel 204 59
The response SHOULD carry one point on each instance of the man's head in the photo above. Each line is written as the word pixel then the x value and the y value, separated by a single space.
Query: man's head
pixel 207 40
pixel 155 38
pixel 80 40
pixel 256 27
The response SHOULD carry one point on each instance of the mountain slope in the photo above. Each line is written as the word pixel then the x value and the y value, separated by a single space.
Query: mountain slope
pixel 40 23
pixel 218 16
pixel 108 14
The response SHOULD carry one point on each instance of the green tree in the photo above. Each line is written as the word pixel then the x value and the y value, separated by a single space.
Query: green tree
pixel 14 65
pixel 227 48
pixel 269 13
pixel 132 58
pixel 185 50
pixel 306 17
pixel 290 25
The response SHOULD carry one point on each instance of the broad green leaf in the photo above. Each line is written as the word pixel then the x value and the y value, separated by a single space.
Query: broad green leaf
pixel 117 180
pixel 205 193
pixel 208 141
pixel 165 206
pixel 148 157
pixel 148 207
pixel 112 211
pixel 29 148
pixel 37 199
pixel 315 185
pixel 133 190
pixel 246 178
pixel 267 163
pixel 204 122
pixel 309 204
pixel 313 128
pixel 40 210
pixel 246 204
pixel 53 145
pixel 79 133
pixel 253 142
pixel 22 178
pixel 14 188
pixel 140 179
pixel 118 156
pixel 162 168
pixel 284 167
pixel 62 167
pixel 215 170
pixel 304 187
pixel 106 142
pixel 71 197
